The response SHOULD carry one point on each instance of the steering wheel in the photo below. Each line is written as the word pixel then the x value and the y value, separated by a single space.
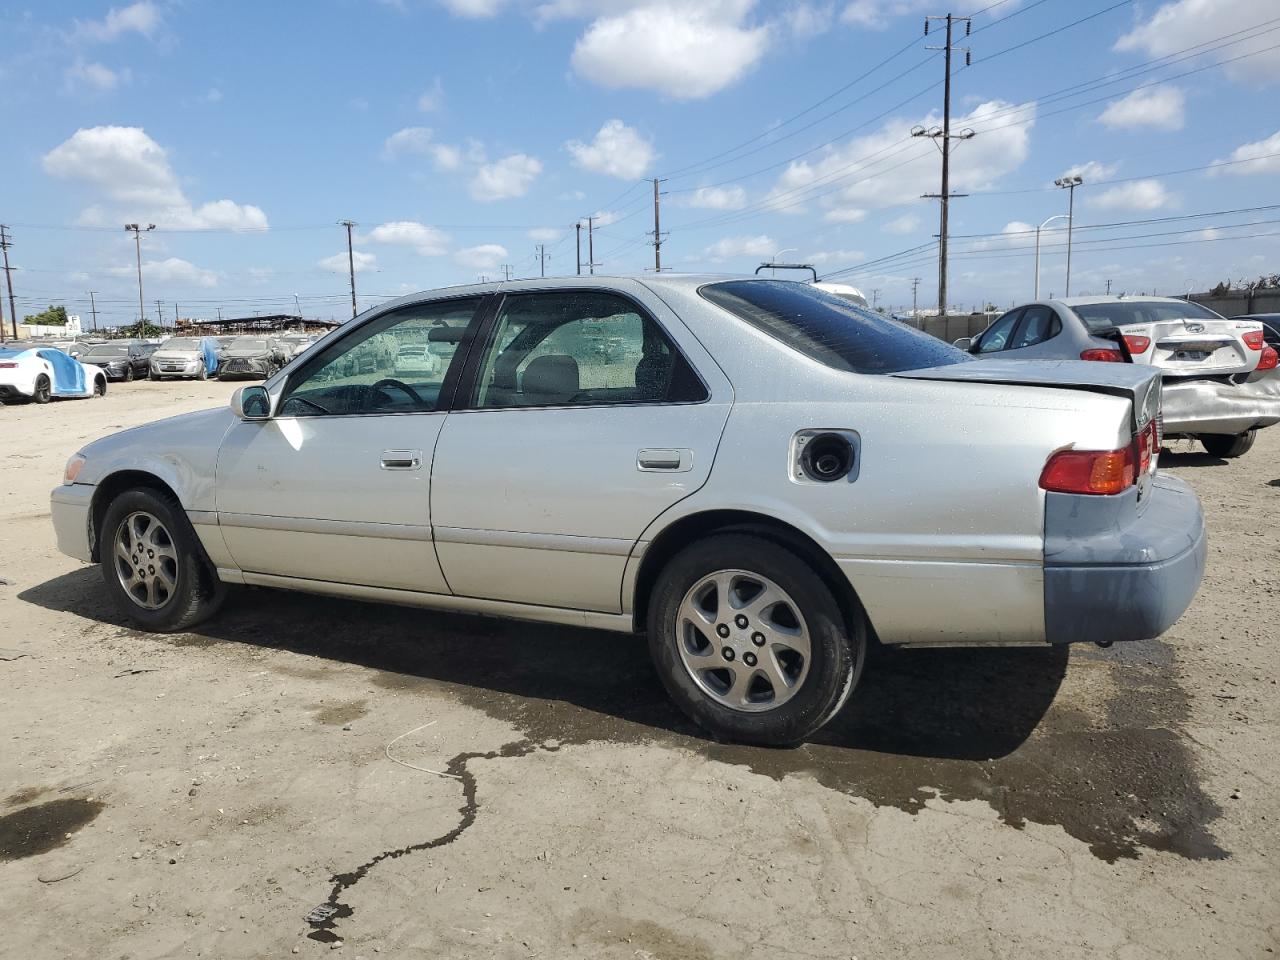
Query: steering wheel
pixel 403 387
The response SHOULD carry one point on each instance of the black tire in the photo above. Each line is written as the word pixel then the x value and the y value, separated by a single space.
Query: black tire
pixel 43 391
pixel 152 375
pixel 128 374
pixel 99 386
pixel 197 592
pixel 1228 446
pixel 202 373
pixel 836 653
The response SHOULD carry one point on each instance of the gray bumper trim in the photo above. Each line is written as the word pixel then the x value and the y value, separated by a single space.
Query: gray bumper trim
pixel 1106 580
pixel 1212 406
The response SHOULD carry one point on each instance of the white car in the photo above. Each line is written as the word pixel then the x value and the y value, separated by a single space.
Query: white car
pixel 45 373
pixel 763 477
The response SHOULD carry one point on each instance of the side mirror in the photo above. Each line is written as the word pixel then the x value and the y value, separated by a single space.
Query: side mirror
pixel 251 403
pixel 964 343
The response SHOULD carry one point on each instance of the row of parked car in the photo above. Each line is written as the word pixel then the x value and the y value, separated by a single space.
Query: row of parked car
pixel 83 368
pixel 1220 384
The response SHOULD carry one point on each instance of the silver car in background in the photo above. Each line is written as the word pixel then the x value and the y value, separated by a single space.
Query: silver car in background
pixel 251 358
pixel 1221 383
pixel 764 478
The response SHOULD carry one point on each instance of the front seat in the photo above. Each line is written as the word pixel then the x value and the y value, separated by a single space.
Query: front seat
pixel 550 380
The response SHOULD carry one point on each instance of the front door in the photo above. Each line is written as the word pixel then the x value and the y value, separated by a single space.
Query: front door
pixel 582 421
pixel 335 486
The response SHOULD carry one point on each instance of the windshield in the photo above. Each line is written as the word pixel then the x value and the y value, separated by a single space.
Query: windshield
pixel 248 343
pixel 180 343
pixel 830 329
pixel 108 350
pixel 1122 313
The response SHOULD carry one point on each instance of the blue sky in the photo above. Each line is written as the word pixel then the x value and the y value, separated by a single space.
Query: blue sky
pixel 461 133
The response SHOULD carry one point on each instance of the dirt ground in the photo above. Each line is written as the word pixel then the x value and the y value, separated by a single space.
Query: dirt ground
pixel 200 794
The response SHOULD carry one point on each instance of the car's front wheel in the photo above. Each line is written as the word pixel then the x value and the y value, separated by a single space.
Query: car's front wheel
pixel 153 564
pixel 1228 446
pixel 128 374
pixel 750 642
pixel 43 392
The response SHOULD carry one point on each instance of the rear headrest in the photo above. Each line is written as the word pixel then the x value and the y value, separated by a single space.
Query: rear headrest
pixel 551 379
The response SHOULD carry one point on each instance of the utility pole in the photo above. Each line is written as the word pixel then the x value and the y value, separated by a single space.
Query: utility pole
pixel 1108 288
pixel 875 298
pixel 657 228
pixel 506 271
pixel 93 308
pixel 138 230
pixel 915 302
pixel 577 227
pixel 6 242
pixel 542 259
pixel 1069 184
pixel 160 312
pixel 219 314
pixel 945 135
pixel 351 262
pixel 591 245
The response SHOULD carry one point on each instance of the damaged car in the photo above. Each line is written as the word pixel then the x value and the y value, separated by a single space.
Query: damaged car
pixel 1221 385
pixel 765 479
pixel 194 358
pixel 251 358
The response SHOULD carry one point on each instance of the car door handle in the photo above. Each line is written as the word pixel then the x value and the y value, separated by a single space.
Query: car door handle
pixel 665 460
pixel 401 459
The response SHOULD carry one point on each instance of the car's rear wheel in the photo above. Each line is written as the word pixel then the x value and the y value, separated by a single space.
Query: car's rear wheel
pixel 750 642
pixel 153 564
pixel 128 374
pixel 43 392
pixel 99 386
pixel 1228 446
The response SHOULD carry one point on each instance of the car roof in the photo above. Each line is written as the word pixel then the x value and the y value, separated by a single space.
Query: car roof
pixel 1084 300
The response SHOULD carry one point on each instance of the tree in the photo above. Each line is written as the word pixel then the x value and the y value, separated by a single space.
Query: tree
pixel 53 317
pixel 141 330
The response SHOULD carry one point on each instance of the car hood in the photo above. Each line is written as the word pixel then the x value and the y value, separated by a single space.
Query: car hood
pixel 1137 383
pixel 102 361
pixel 177 355
pixel 248 354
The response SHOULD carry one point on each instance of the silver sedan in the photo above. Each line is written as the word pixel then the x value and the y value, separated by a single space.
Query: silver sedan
pixel 764 478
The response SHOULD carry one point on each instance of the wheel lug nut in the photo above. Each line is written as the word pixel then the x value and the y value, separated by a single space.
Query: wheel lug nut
pixel 727 653
pixel 749 659
pixel 758 639
pixel 741 621
pixel 723 630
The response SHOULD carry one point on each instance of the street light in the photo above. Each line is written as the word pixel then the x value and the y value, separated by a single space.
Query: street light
pixel 1056 216
pixel 1069 184
pixel 138 230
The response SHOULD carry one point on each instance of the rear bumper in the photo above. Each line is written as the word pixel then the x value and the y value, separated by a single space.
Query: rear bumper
pixel 1105 580
pixel 1212 406
pixel 70 505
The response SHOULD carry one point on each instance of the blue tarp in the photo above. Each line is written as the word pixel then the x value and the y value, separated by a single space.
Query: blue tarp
pixel 68 375
pixel 210 357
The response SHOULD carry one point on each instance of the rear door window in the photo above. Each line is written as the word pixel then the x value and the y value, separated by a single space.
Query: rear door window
pixel 996 337
pixel 1039 323
pixel 829 329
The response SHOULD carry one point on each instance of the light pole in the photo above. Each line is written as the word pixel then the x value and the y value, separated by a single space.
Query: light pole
pixel 1056 216
pixel 138 230
pixel 1069 183
pixel 777 255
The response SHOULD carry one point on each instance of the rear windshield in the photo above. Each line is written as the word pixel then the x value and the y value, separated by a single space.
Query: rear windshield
pixel 1125 312
pixel 109 350
pixel 830 329
pixel 180 343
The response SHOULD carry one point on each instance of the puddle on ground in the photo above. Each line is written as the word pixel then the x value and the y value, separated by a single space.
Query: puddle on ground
pixel 34 830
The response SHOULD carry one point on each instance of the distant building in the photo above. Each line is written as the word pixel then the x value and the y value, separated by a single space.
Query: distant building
pixel 33 330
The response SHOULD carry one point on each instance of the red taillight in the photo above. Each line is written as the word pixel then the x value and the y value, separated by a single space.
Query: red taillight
pixel 1269 359
pixel 1096 472
pixel 1136 344
pixel 1106 356
pixel 14 366
pixel 1148 443
pixel 1253 340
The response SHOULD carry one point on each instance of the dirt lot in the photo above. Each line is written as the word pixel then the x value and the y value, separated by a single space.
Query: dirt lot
pixel 198 795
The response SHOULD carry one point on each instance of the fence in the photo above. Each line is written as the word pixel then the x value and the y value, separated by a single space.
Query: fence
pixel 1235 302
pixel 952 327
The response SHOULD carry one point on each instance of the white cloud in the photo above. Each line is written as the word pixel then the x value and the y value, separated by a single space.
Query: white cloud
pixel 617 151
pixel 820 257
pixel 213 96
pixel 427 241
pixel 885 169
pixel 432 98
pixel 603 218
pixel 417 141
pixel 133 172
pixel 686 51
pixel 744 246
pixel 474 9
pixel 1137 195
pixel 805 20
pixel 545 234
pixel 718 198
pixel 94 76
pixel 1183 24
pixel 170 270
pixel 907 223
pixel 142 18
pixel 261 274
pixel 486 256
pixel 512 176
pixel 1163 108
pixel 1091 171
pixel 1266 152
pixel 338 263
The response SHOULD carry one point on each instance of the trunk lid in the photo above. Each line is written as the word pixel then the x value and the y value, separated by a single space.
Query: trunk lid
pixel 1194 347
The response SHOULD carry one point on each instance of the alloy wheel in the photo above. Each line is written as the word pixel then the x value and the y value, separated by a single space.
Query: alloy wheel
pixel 146 560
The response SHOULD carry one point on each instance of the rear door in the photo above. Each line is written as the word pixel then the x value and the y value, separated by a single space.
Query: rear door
pixel 586 414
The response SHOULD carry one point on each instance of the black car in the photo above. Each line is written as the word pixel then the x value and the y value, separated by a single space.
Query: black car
pixel 120 359
pixel 1270 326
